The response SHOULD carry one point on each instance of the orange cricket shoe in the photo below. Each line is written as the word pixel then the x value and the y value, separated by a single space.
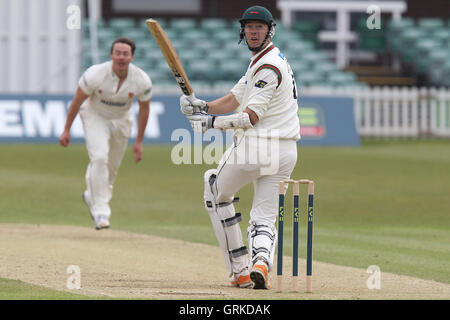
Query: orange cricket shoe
pixel 241 280
pixel 260 275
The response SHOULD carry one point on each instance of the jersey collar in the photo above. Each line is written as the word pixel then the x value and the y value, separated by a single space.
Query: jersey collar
pixel 114 75
pixel 256 58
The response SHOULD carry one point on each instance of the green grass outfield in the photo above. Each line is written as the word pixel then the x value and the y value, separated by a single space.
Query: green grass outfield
pixel 384 203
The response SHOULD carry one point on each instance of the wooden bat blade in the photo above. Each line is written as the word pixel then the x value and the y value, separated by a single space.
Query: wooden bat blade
pixel 170 55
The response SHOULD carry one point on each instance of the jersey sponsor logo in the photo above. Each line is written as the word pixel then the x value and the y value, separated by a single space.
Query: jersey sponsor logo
pixel 260 84
pixel 113 104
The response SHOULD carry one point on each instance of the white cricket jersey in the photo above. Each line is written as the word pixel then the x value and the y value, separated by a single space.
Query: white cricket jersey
pixel 100 83
pixel 268 88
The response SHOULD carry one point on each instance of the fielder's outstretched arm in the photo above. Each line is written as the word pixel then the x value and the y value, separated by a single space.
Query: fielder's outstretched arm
pixel 144 111
pixel 77 101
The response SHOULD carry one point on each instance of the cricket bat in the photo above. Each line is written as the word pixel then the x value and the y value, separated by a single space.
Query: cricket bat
pixel 170 55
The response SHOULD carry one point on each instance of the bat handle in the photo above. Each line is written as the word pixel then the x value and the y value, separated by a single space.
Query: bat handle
pixel 191 97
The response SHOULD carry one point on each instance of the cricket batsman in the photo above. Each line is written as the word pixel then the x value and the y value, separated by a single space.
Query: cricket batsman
pixel 266 102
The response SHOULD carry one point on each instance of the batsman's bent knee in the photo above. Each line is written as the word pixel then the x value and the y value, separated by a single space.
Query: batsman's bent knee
pixel 225 223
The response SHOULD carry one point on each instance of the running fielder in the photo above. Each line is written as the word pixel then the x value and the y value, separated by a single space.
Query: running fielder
pixel 267 98
pixel 104 97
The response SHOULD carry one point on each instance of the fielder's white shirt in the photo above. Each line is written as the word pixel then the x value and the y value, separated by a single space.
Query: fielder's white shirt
pixel 268 88
pixel 100 83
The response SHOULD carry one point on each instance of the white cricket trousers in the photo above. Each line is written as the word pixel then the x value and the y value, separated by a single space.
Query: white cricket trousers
pixel 265 162
pixel 106 143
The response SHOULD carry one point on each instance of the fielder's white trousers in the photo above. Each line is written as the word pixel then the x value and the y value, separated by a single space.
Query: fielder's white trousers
pixel 106 143
pixel 265 162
